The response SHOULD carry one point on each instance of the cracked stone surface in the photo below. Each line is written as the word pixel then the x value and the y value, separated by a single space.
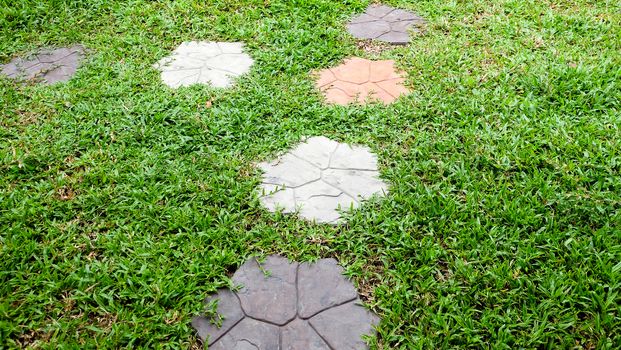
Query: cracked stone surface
pixel 285 305
pixel 318 178
pixel 385 23
pixel 46 66
pixel 359 80
pixel 202 62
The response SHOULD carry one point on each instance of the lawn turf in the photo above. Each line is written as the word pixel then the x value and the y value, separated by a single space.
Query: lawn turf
pixel 123 203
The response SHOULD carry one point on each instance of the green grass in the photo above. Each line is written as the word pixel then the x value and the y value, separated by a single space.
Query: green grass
pixel 124 203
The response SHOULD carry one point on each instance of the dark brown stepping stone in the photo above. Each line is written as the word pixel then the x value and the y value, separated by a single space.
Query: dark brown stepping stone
pixel 289 306
pixel 385 23
pixel 316 295
pixel 46 66
pixel 249 334
pixel 268 296
pixel 342 327
pixel 228 305
pixel 298 334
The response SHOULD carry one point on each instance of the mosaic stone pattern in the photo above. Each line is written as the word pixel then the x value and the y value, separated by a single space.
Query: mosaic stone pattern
pixel 385 23
pixel 200 62
pixel 319 177
pixel 285 305
pixel 359 80
pixel 46 66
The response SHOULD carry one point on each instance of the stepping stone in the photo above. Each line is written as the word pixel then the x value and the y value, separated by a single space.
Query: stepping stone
pixel 202 62
pixel 359 80
pixel 385 23
pixel 319 177
pixel 288 306
pixel 47 66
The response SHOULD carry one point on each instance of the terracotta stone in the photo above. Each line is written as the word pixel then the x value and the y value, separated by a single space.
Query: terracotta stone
pixel 355 70
pixel 394 87
pixel 359 80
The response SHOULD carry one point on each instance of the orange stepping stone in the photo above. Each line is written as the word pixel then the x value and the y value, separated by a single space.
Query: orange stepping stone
pixel 359 80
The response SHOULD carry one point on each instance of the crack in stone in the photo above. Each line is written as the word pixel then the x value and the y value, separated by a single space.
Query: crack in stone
pixel 305 160
pixel 324 195
pixel 332 155
pixel 321 336
pixel 247 341
pixel 345 92
pixel 331 307
pixel 219 48
pixel 342 192
pixel 267 182
pixel 356 169
pixel 379 87
pixel 391 11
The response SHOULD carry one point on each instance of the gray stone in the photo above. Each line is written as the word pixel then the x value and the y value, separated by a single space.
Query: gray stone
pixel 269 292
pixel 342 327
pixel 316 295
pixel 369 29
pixel 200 62
pixel 277 197
pixel 290 171
pixel 385 23
pixel 299 335
pixel 353 157
pixel 46 66
pixel 360 184
pixel 395 37
pixel 325 209
pixel 319 178
pixel 399 15
pixel 249 334
pixel 254 319
pixel 316 150
pixel 229 313
pixel 379 11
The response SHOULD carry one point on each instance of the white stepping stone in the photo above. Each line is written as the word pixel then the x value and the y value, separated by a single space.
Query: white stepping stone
pixel 320 177
pixel 203 62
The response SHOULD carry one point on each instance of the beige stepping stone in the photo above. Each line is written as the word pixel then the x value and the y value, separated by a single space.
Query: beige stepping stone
pixel 318 178
pixel 202 62
pixel 359 80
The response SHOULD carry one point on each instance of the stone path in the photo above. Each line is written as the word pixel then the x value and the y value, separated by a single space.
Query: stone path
pixel 319 176
pixel 359 80
pixel 286 305
pixel 201 62
pixel 385 23
pixel 46 66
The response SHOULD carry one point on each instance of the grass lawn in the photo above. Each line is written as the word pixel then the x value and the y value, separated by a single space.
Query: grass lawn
pixel 123 203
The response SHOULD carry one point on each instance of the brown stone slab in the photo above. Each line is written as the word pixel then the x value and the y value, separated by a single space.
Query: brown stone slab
pixel 47 66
